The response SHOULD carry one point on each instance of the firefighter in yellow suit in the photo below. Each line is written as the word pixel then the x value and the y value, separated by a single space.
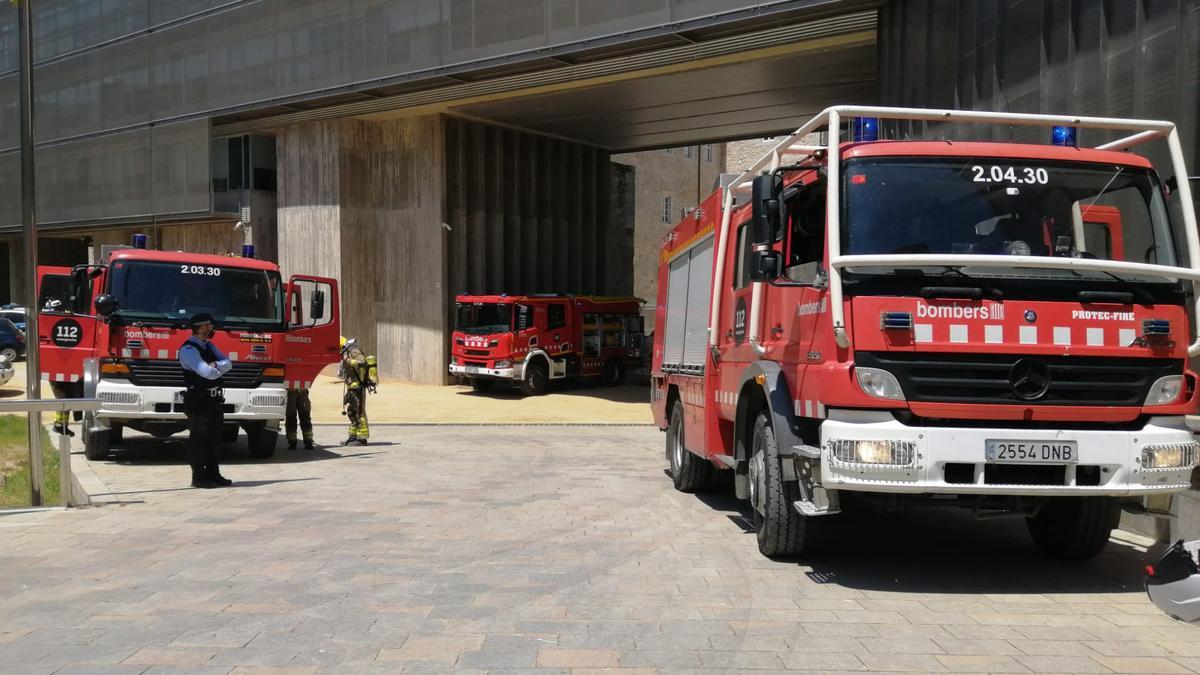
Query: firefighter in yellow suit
pixel 359 374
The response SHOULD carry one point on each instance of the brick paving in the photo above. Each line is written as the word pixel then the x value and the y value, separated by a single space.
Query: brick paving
pixel 515 549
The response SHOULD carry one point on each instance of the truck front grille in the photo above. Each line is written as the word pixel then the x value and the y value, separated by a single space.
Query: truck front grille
pixel 985 378
pixel 170 374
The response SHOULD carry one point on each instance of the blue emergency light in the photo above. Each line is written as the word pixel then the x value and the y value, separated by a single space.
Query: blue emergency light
pixel 864 129
pixel 139 240
pixel 1065 136
pixel 247 250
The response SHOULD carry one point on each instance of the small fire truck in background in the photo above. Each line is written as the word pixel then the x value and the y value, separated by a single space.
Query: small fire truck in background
pixel 529 340
pixel 114 330
pixel 998 326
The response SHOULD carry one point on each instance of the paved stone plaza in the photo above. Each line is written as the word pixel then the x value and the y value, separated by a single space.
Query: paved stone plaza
pixel 521 547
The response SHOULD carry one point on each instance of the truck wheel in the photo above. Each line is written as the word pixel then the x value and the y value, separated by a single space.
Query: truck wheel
pixel 9 354
pixel 116 433
pixel 482 385
pixel 96 444
pixel 780 528
pixel 614 373
pixel 689 472
pixel 260 440
pixel 1074 528
pixel 537 376
pixel 229 434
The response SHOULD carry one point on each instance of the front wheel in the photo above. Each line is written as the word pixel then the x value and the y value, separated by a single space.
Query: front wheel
pixel 1074 528
pixel 780 529
pixel 96 444
pixel 537 376
pixel 260 440
pixel 689 472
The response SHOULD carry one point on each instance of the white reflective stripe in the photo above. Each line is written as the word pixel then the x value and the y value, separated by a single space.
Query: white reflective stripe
pixel 820 410
pixel 145 353
pixel 1062 335
pixel 958 332
pixel 59 377
pixel 798 411
pixel 74 377
pixel 308 385
pixel 45 375
pixel 923 332
pixel 162 353
pixel 1095 337
pixel 1126 336
pixel 808 410
pixel 233 356
pixel 127 353
pixel 993 334
pixel 1029 335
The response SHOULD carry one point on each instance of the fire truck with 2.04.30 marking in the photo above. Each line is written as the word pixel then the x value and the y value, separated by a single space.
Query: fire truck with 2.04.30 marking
pixel 999 326
pixel 113 331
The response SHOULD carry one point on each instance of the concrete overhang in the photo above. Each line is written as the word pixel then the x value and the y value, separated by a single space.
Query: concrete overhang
pixel 661 91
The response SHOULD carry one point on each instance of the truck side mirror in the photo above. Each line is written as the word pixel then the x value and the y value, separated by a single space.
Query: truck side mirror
pixel 316 308
pixel 106 305
pixel 766 209
pixel 765 265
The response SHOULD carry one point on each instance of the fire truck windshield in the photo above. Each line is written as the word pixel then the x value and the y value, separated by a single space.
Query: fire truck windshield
pixel 150 291
pixel 993 206
pixel 483 318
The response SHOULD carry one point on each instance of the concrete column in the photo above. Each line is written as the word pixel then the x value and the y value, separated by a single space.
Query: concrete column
pixel 364 202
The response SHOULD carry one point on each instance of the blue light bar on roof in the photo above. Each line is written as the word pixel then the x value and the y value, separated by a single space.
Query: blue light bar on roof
pixel 1065 136
pixel 864 129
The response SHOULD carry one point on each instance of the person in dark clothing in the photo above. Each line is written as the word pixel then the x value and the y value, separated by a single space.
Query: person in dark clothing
pixel 299 408
pixel 204 366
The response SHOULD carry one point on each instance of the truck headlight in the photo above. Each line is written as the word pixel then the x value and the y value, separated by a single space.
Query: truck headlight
pixel 1169 456
pixel 896 453
pixel 878 383
pixel 503 364
pixel 1165 390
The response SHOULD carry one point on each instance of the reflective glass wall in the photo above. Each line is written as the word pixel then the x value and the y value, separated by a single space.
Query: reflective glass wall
pixel 106 70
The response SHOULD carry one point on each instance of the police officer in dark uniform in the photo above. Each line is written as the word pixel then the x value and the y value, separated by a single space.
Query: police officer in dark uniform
pixel 204 366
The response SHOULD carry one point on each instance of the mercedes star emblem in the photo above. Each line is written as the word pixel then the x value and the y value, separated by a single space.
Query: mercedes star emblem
pixel 1029 379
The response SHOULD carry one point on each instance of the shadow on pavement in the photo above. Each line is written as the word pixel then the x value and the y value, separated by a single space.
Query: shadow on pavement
pixel 944 550
pixel 147 450
pixel 236 484
pixel 625 393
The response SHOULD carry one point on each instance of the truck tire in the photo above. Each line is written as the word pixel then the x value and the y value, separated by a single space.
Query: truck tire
pixel 96 444
pixel 1074 528
pixel 537 376
pixel 260 440
pixel 481 385
pixel 689 472
pixel 780 529
pixel 614 372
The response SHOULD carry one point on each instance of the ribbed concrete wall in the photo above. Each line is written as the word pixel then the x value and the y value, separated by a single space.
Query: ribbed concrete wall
pixel 530 214
pixel 363 202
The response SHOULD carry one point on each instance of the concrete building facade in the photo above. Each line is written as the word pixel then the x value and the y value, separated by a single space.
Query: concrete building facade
pixel 669 183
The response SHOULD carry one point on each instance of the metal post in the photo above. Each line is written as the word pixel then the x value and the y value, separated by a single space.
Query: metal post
pixel 33 371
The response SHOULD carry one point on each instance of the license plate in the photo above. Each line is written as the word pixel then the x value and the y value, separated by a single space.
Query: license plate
pixel 1032 452
pixel 472 370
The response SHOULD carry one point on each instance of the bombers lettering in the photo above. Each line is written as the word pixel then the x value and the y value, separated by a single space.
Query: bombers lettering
pixel 982 312
pixel 1101 316
pixel 147 335
pixel 298 338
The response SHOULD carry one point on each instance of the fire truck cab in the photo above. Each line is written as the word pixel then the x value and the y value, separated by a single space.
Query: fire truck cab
pixel 999 326
pixel 113 331
pixel 528 340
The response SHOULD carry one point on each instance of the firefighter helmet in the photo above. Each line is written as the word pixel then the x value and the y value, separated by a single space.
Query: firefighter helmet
pixel 1173 583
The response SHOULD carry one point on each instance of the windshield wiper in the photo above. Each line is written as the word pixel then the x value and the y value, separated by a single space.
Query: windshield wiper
pixel 946 291
pixel 1134 292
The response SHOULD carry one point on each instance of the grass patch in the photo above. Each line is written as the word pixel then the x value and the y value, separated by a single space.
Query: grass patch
pixel 14 464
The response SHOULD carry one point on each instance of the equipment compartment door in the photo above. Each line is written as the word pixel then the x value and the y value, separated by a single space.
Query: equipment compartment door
pixel 65 325
pixel 314 328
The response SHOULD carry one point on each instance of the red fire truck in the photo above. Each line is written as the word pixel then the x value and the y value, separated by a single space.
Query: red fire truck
pixel 529 340
pixel 113 331
pixel 998 326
